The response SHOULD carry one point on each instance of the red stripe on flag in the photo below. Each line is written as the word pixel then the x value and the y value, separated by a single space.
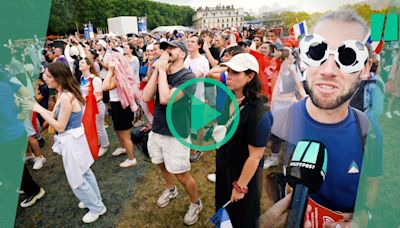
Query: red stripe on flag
pixel 89 121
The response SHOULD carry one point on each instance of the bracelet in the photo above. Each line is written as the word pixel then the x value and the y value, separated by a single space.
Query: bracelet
pixel 240 189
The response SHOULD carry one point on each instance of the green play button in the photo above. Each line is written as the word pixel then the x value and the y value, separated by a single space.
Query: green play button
pixel 203 125
pixel 198 108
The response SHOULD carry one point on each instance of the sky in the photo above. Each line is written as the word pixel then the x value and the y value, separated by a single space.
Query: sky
pixel 309 6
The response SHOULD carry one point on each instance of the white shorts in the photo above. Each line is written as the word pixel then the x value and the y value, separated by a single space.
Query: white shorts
pixel 168 150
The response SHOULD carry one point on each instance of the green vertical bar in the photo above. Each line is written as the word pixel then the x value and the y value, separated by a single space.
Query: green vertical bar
pixel 391 28
pixel 21 21
pixel 377 22
pixel 299 151
pixel 312 153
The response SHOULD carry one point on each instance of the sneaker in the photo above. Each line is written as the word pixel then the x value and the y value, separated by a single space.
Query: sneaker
pixel 92 217
pixel 32 200
pixel 212 177
pixel 29 158
pixel 81 205
pixel 271 161
pixel 192 215
pixel 389 115
pixel 128 163
pixel 102 151
pixel 397 113
pixel 119 151
pixel 39 161
pixel 195 155
pixel 166 196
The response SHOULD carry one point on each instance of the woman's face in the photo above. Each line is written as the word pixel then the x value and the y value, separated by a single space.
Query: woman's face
pixel 237 80
pixel 127 49
pixel 49 79
pixel 226 57
pixel 264 49
pixel 83 66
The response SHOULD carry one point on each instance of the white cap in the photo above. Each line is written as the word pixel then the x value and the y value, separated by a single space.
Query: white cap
pixel 74 51
pixel 242 62
pixel 102 43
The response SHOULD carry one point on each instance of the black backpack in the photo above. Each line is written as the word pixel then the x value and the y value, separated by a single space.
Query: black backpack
pixel 357 100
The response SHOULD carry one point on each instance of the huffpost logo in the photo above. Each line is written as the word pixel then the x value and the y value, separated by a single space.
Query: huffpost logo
pixel 391 32
pixel 306 154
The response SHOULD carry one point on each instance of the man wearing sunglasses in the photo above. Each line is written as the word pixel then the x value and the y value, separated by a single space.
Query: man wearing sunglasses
pixel 336 62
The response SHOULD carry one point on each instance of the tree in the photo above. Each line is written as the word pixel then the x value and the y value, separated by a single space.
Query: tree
pixel 66 13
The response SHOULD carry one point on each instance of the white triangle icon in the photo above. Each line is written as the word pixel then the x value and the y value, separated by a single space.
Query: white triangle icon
pixel 353 168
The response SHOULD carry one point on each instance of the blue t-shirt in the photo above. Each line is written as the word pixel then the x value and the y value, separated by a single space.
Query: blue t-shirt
pixel 10 127
pixel 342 140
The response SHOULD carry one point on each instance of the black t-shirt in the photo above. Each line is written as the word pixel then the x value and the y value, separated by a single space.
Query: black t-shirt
pixel 160 111
pixel 215 54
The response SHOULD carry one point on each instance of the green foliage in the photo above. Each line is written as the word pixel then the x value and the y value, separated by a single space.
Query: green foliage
pixel 65 14
pixel 249 18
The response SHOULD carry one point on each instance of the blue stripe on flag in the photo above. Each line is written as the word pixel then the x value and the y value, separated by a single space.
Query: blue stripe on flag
pixel 302 30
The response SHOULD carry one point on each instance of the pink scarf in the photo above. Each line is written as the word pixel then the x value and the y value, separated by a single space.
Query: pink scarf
pixel 127 89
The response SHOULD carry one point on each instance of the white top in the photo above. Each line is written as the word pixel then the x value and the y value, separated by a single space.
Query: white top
pixel 134 62
pixel 85 84
pixel 114 95
pixel 105 59
pixel 197 65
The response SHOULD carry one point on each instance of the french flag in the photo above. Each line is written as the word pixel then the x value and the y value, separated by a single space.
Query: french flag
pixel 221 218
pixel 376 45
pixel 299 29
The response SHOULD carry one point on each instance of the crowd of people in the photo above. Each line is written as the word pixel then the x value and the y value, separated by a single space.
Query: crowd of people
pixel 122 77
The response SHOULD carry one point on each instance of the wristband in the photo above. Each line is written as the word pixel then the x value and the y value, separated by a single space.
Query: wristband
pixel 240 189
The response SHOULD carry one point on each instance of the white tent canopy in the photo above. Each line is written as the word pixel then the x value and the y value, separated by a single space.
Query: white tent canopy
pixel 162 29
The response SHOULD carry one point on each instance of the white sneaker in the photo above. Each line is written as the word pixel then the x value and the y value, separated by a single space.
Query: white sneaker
pixel 166 196
pixel 32 200
pixel 397 113
pixel 102 151
pixel 192 215
pixel 389 115
pixel 39 161
pixel 212 177
pixel 81 205
pixel 91 217
pixel 271 161
pixel 128 163
pixel 119 151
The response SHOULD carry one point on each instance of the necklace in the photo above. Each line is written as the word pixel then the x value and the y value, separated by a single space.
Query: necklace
pixel 240 99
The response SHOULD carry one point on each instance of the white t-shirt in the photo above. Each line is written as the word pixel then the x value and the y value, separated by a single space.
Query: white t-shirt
pixel 202 65
pixel 85 84
pixel 114 95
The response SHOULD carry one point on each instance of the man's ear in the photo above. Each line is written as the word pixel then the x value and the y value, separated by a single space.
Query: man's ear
pixel 366 70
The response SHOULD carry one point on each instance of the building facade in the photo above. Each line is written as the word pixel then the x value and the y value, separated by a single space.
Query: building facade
pixel 218 17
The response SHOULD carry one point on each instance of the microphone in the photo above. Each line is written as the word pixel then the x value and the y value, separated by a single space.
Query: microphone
pixel 305 174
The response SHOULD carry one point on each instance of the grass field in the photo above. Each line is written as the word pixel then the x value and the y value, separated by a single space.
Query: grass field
pixel 129 194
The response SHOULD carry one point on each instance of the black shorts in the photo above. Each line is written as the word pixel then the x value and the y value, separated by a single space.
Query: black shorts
pixel 122 118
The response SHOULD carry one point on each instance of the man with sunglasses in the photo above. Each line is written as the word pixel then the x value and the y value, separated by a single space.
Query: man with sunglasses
pixel 336 62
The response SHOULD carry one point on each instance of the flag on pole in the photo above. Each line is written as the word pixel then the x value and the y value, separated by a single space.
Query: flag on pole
pixel 299 29
pixel 268 72
pixel 89 121
pixel 376 45
pixel 221 218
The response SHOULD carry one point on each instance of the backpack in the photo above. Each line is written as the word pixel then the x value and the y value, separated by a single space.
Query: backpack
pixel 357 100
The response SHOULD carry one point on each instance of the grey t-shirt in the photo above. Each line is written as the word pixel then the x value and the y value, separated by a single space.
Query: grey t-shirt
pixel 183 116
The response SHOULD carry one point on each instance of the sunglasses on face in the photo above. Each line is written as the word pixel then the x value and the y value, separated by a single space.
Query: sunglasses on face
pixel 350 56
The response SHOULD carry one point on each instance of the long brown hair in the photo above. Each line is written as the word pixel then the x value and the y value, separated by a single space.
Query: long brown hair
pixel 92 68
pixel 63 76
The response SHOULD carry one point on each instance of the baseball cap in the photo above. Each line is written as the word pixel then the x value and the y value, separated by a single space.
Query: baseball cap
pixel 242 62
pixel 179 44
pixel 102 43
